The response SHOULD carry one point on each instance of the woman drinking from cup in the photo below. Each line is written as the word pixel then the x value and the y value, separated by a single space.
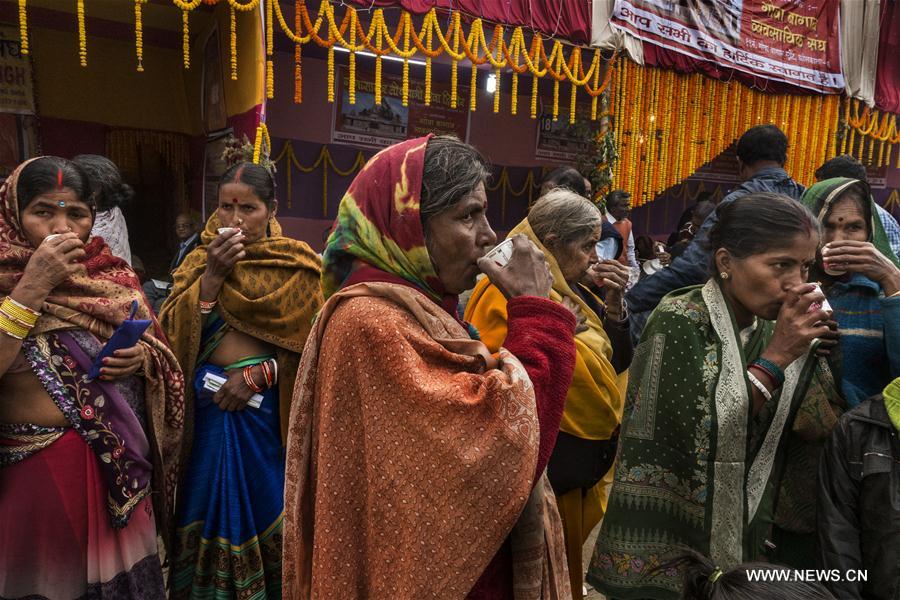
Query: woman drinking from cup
pixel 566 228
pixel 87 466
pixel 241 307
pixel 720 373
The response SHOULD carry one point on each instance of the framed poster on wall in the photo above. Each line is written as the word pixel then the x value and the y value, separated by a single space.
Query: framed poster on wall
pixel 365 124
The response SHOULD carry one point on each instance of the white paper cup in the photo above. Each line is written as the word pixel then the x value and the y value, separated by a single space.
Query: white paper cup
pixel 51 236
pixel 222 230
pixel 501 253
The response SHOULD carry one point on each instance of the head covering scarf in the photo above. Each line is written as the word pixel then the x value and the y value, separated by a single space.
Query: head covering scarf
pixel 377 254
pixel 380 226
pixel 821 197
pixel 98 299
pixel 271 294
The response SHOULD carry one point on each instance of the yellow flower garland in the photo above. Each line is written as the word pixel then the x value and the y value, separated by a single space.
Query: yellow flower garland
pixel 139 34
pixel 668 125
pixel 82 34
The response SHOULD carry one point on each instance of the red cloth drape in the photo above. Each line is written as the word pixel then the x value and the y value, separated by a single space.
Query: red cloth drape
pixel 887 74
pixel 567 19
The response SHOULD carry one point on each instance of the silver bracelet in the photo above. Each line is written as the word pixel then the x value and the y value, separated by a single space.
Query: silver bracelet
pixel 759 385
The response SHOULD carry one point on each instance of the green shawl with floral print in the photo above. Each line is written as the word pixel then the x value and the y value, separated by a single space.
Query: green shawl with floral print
pixel 694 469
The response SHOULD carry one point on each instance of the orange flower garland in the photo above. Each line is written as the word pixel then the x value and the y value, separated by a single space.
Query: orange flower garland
pixel 668 125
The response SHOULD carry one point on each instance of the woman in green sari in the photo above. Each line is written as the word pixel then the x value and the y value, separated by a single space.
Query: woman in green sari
pixel 713 389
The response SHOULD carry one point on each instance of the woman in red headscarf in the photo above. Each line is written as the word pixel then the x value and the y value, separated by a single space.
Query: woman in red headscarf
pixel 415 460
pixel 87 466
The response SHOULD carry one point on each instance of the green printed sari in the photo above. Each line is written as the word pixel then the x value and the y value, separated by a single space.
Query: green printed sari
pixel 695 468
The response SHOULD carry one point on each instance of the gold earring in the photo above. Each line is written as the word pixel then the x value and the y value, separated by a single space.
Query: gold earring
pixel 723 275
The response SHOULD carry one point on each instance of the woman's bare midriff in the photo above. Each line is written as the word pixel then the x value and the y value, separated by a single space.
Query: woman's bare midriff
pixel 24 400
pixel 235 346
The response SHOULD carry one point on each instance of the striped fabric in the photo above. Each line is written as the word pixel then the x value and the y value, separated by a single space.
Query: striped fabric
pixel 870 336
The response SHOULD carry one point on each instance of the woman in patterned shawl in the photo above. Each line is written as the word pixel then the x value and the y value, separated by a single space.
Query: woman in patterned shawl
pixel 566 227
pixel 241 307
pixel 415 459
pixel 713 388
pixel 79 457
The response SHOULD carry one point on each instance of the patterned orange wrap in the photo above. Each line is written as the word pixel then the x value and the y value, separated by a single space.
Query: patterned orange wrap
pixel 408 463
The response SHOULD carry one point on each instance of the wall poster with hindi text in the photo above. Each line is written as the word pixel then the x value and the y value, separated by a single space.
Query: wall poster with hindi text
pixel 367 125
pixel 794 41
pixel 16 85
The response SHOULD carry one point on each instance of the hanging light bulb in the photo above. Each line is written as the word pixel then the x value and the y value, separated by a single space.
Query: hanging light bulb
pixel 491 84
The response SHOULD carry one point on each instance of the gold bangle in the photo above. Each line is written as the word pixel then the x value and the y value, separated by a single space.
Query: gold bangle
pixel 21 313
pixel 24 324
pixel 12 329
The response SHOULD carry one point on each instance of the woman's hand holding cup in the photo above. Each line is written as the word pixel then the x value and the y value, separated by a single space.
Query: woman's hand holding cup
pixel 221 255
pixel 797 325
pixel 525 274
pixel 54 261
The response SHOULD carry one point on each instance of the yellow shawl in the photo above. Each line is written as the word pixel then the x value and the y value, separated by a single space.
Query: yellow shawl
pixel 594 403
pixel 273 294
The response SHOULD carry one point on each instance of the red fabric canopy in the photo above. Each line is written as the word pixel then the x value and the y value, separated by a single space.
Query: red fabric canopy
pixel 567 19
pixel 887 74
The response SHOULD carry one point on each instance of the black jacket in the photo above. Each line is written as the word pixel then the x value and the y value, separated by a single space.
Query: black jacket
pixel 859 503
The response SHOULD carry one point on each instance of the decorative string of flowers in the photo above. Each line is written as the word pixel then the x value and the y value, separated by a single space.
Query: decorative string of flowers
pixel 667 125
pixel 504 51
pixel 865 129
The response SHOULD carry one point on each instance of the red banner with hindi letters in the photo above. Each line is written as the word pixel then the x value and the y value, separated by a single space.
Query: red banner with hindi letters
pixel 794 41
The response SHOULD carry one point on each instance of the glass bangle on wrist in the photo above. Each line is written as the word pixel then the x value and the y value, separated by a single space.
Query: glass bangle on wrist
pixel 759 385
pixel 772 369
pixel 207 307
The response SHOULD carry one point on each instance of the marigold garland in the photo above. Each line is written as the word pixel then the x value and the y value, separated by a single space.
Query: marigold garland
pixel 502 52
pixel 82 34
pixel 262 137
pixel 667 125
pixel 139 34
pixel 298 55
pixel 23 26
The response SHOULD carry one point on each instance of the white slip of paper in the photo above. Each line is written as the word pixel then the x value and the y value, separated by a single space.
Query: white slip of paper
pixel 214 382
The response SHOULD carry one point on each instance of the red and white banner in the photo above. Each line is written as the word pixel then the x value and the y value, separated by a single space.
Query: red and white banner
pixel 794 41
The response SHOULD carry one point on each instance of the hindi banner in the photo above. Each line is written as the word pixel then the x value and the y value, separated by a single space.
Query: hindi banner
pixel 794 41
pixel 364 124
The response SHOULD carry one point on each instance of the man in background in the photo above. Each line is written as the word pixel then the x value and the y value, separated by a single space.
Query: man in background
pixel 188 233
pixel 618 207
pixel 761 155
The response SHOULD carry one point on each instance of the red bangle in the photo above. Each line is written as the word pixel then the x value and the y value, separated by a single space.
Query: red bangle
pixel 248 379
pixel 768 374
pixel 267 374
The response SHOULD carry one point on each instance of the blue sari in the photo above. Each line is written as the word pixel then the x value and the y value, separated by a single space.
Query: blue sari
pixel 231 504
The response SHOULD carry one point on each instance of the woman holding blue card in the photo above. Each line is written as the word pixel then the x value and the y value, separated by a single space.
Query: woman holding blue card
pixel 241 307
pixel 87 465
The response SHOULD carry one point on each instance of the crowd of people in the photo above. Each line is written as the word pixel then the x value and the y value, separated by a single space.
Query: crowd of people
pixel 413 415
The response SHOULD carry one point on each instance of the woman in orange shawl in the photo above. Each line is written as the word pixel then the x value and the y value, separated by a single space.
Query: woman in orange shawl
pixel 415 465
pixel 81 459
pixel 566 227
pixel 241 307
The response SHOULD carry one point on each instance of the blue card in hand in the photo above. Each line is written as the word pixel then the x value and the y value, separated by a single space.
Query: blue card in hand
pixel 126 335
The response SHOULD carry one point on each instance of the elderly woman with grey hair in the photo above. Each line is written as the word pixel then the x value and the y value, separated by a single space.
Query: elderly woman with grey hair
pixel 404 427
pixel 566 228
